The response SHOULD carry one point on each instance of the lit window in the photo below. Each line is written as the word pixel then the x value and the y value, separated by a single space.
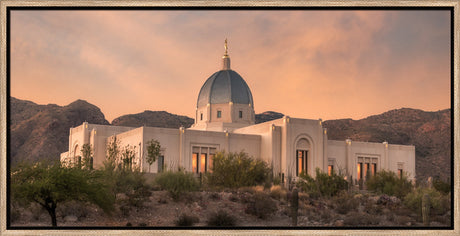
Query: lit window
pixel 330 169
pixel 301 161
pixel 203 163
pixel 360 173
pixel 195 162
pixel 241 114
pixel 400 173
pixel 373 169
pixel 219 114
pixel 366 169
pixel 211 156
pixel 202 158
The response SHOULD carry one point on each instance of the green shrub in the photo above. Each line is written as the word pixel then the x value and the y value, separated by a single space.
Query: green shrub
pixel 322 185
pixel 387 182
pixel 186 220
pixel 221 218
pixel 133 184
pixel 440 203
pixel 441 186
pixel 177 183
pixel 234 170
pixel 261 205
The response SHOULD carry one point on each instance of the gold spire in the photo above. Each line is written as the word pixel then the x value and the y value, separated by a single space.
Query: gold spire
pixel 226 58
pixel 226 48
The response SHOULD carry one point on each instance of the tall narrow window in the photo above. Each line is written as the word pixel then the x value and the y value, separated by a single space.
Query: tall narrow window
pixel 301 161
pixel 359 168
pixel 366 169
pixel 330 169
pixel 201 116
pixel 374 169
pixel 400 173
pixel 241 114
pixel 212 152
pixel 219 114
pixel 203 163
pixel 195 162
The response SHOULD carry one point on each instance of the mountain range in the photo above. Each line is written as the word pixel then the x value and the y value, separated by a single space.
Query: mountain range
pixel 41 131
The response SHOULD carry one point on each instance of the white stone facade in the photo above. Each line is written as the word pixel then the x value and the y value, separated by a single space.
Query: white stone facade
pixel 288 145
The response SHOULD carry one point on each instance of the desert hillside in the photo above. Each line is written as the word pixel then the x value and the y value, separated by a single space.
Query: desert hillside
pixel 41 131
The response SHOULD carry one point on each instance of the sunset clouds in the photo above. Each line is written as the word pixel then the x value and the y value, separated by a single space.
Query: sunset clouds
pixel 308 64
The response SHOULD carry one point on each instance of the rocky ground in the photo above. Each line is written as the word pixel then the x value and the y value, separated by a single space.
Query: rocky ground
pixel 268 208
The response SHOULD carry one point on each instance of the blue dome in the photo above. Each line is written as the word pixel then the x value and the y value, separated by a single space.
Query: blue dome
pixel 225 86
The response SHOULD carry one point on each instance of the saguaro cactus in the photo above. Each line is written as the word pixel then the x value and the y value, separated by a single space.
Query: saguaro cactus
pixel 426 209
pixel 294 205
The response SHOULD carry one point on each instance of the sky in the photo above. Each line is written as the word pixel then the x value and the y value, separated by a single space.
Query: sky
pixel 303 63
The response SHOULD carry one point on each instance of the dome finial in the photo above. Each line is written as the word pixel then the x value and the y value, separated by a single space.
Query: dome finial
pixel 226 58
pixel 226 48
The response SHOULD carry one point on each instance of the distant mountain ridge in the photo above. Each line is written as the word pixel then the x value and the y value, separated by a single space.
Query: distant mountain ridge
pixel 42 131
pixel 429 132
pixel 268 116
pixel 154 119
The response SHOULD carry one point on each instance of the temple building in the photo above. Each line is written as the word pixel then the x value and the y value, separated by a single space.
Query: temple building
pixel 225 121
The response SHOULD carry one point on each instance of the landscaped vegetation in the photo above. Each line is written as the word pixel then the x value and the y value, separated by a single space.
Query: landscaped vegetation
pixel 237 191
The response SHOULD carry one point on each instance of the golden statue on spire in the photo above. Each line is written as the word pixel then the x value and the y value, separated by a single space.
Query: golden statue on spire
pixel 226 48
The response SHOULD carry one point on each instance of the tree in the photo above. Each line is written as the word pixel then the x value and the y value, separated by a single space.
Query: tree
pixel 113 149
pixel 127 155
pixel 153 151
pixel 87 153
pixel 49 185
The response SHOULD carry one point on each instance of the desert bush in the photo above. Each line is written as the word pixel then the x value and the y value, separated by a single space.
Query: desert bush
pixel 177 183
pixel 441 186
pixel 345 203
pixel 440 203
pixel 277 192
pixel 186 220
pixel 322 185
pixel 130 184
pixel 234 170
pixel 261 205
pixel 221 218
pixel 247 190
pixel 387 182
pixel 129 181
